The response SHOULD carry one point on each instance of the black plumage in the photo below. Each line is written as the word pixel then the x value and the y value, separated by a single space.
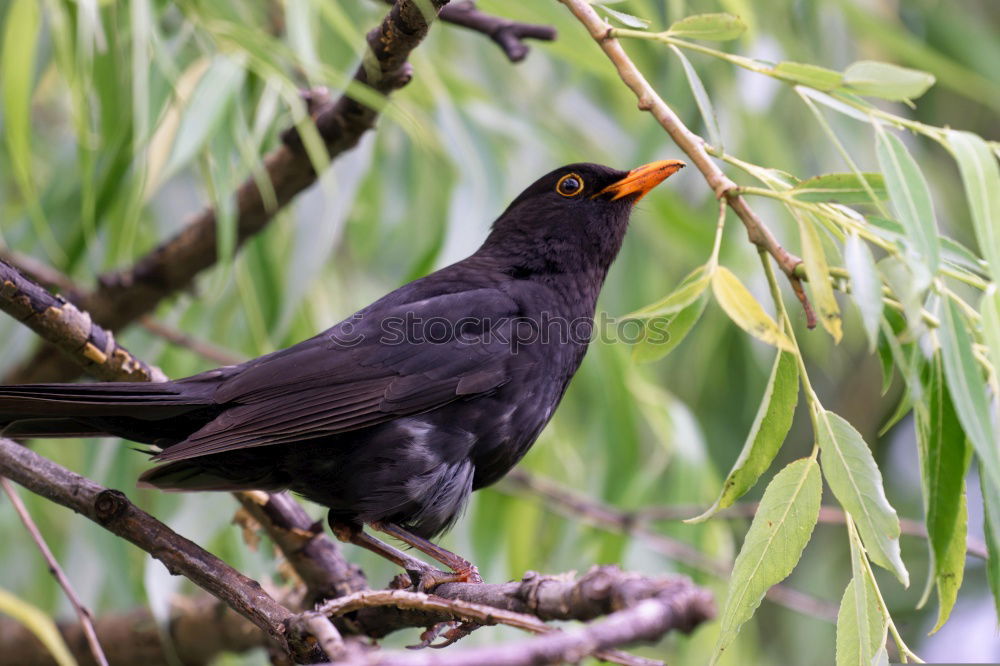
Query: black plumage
pixel 396 414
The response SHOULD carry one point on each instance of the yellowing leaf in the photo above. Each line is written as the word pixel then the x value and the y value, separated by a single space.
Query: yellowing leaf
pixel 818 272
pixel 745 311
pixel 40 624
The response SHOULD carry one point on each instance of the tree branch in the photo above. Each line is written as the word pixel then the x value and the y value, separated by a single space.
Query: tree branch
pixel 692 145
pixel 508 35
pixel 113 511
pixel 680 609
pixel 70 329
pixel 124 296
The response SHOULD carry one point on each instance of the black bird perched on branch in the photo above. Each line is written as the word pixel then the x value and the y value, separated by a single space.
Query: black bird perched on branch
pixel 394 416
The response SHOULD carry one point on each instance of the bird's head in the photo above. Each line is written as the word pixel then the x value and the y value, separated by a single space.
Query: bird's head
pixel 573 219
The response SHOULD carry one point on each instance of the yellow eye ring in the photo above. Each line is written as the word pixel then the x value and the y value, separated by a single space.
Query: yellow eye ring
pixel 570 185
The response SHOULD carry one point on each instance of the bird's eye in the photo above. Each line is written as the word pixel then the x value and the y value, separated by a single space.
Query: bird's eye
pixel 570 185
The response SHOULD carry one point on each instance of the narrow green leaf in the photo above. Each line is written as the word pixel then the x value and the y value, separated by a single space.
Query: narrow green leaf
pixel 882 79
pixel 215 93
pixel 909 195
pixel 813 76
pixel 626 19
pixel 834 103
pixel 39 624
pixel 818 272
pixel 779 532
pixel 990 309
pixel 856 482
pixel 981 177
pixel 944 459
pixel 866 287
pixel 774 418
pixel 991 531
pixel 662 334
pixel 687 292
pixel 860 625
pixel 17 72
pixel 745 311
pixel 701 98
pixel 968 390
pixel 845 188
pixel 710 27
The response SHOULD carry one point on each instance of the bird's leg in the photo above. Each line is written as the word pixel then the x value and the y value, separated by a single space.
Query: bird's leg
pixel 465 571
pixel 424 576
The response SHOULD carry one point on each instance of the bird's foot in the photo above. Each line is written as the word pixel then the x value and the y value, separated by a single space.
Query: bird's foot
pixel 450 632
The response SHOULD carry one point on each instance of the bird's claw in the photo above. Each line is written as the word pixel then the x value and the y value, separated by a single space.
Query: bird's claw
pixel 450 632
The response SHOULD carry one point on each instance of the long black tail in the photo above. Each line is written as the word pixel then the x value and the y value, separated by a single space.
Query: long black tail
pixel 160 413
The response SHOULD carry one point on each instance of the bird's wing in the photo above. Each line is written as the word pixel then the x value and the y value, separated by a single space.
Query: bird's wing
pixel 372 371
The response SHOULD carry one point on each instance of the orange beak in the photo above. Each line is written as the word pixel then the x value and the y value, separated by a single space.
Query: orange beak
pixel 641 180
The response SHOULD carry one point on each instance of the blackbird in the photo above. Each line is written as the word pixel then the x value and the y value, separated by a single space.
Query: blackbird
pixel 394 416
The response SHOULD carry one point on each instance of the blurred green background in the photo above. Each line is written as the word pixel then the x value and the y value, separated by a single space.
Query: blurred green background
pixel 136 115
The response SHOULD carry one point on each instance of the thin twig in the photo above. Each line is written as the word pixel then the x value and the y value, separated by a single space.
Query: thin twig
pixel 86 619
pixel 181 339
pixel 692 145
pixel 582 508
pixel 827 514
pixel 646 621
pixel 508 35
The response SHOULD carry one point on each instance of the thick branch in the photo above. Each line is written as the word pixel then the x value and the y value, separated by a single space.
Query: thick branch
pixel 113 511
pixel 692 145
pixel 124 296
pixel 70 329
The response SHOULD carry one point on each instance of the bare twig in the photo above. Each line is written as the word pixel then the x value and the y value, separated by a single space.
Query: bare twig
pixel 124 296
pixel 827 514
pixel 508 35
pixel 82 612
pixel 182 339
pixel 585 509
pixel 113 511
pixel 647 620
pixel 692 145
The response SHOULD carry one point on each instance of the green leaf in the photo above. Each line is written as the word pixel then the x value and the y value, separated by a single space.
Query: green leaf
pixel 909 195
pixel 745 311
pixel 626 19
pixel 861 627
pixel 813 76
pixel 686 293
pixel 701 99
pixel 856 482
pixel 845 188
pixel 710 27
pixel 818 272
pixel 779 532
pixel 882 79
pixel 991 532
pixel 39 624
pixel 944 459
pixel 981 178
pixel 662 334
pixel 215 93
pixel 774 418
pixel 866 287
pixel 990 309
pixel 968 390
pixel 835 104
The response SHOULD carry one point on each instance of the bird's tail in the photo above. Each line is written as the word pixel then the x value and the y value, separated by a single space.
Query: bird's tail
pixel 152 413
